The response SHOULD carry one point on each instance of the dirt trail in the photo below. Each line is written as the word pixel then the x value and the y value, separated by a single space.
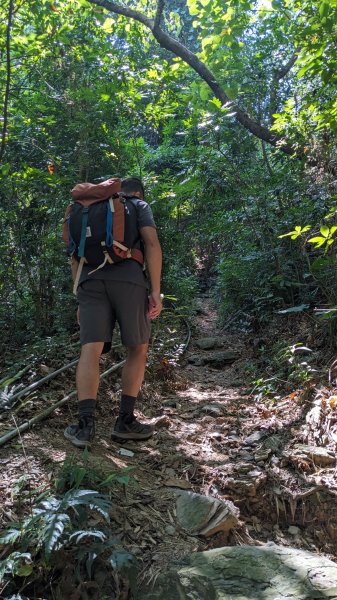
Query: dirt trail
pixel 203 442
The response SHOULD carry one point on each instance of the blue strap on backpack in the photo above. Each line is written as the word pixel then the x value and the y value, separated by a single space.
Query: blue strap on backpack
pixel 108 238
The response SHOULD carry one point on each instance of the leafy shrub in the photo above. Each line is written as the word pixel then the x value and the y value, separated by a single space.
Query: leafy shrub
pixel 75 473
pixel 62 523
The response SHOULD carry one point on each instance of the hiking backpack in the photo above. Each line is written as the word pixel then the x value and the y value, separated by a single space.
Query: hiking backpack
pixel 97 226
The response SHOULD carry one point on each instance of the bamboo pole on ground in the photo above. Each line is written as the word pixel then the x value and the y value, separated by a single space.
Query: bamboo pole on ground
pixel 8 379
pixel 37 384
pixel 34 386
pixel 14 432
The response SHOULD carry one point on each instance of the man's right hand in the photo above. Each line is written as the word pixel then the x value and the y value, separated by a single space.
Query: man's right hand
pixel 155 305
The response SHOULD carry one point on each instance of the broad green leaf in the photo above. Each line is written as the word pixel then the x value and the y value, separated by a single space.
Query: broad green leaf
pixel 229 14
pixel 25 570
pixel 175 66
pixel 286 234
pixel 152 74
pixel 107 25
pixel 324 9
pixel 297 232
pixel 10 536
pixel 216 102
pixel 207 41
pixel 4 169
pixel 192 7
pixel 204 92
pixel 304 70
pixel 319 241
pixel 294 309
pixel 324 231
pixel 231 92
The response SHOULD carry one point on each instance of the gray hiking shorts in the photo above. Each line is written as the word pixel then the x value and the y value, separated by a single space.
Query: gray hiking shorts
pixel 103 302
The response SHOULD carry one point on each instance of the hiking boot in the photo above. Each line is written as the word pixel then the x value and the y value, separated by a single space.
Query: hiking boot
pixel 131 431
pixel 81 435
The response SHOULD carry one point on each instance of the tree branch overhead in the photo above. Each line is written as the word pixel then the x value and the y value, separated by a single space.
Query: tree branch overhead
pixel 169 43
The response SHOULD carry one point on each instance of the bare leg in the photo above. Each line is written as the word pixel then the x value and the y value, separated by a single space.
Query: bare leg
pixel 87 382
pixel 134 369
pixel 87 375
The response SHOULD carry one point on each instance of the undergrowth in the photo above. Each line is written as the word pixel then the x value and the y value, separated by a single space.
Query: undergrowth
pixel 70 530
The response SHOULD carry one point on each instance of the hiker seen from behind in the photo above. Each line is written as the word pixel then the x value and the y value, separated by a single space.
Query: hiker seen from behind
pixel 110 231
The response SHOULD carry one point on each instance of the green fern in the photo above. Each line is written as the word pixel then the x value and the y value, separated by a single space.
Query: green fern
pixel 79 536
pixel 54 519
pixel 53 532
pixel 50 526
pixel 60 522
pixel 11 535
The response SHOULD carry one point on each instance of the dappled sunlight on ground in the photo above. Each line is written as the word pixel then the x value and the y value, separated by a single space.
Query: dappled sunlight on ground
pixel 211 437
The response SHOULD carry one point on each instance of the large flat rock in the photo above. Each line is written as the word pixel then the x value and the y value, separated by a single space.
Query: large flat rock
pixel 204 515
pixel 217 360
pixel 267 572
pixel 208 343
pixel 318 455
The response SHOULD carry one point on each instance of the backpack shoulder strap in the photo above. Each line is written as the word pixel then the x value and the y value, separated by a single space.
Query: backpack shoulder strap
pixel 117 207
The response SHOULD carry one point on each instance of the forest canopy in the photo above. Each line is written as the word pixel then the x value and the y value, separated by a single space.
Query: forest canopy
pixel 227 110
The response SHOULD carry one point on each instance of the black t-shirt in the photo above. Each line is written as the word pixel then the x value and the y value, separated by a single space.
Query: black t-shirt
pixel 126 270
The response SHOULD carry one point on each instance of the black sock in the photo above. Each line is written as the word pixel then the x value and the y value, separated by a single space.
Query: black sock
pixel 86 408
pixel 126 408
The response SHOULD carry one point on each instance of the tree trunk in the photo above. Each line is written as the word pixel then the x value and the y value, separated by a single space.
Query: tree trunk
pixel 8 78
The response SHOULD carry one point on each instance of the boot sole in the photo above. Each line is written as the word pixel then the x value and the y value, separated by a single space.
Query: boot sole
pixel 124 435
pixel 78 443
